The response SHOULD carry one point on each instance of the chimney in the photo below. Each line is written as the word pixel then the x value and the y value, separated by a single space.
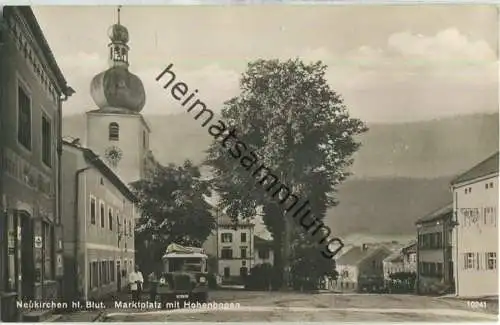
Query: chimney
pixel 364 247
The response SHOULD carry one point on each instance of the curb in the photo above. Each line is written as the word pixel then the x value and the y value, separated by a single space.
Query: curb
pixel 53 319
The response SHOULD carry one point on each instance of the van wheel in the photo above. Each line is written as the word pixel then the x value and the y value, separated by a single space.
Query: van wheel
pixel 164 301
pixel 201 297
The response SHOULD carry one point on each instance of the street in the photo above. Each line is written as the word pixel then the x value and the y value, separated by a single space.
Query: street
pixel 300 307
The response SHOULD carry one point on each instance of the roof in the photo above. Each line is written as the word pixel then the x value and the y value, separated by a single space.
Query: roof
pixel 411 247
pixel 223 220
pixel 441 213
pixel 185 255
pixel 356 254
pixel 180 249
pixel 259 241
pixel 486 167
pixel 33 25
pixel 92 158
pixel 395 257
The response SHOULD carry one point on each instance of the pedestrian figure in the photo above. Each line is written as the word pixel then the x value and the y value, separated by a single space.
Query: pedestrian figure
pixel 136 282
pixel 153 282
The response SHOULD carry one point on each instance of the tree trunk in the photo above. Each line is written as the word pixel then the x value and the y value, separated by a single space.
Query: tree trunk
pixel 278 260
pixel 286 254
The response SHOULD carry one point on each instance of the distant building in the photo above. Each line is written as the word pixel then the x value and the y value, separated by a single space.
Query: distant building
pixel 361 267
pixel 263 251
pixel 475 206
pixel 409 253
pixel 434 252
pixel 403 260
pixel 32 91
pixel 232 246
pixel 392 264
pixel 98 219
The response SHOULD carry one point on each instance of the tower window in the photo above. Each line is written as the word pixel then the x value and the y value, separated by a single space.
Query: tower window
pixel 114 131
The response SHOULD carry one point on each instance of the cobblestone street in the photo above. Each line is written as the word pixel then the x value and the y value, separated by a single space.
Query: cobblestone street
pixel 273 306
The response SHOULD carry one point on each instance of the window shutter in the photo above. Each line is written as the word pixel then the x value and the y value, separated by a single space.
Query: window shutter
pixel 478 262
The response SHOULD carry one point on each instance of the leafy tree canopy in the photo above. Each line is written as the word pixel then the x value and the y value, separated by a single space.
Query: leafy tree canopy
pixel 298 127
pixel 173 208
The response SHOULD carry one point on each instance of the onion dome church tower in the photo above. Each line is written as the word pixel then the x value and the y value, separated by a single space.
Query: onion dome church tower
pixel 116 130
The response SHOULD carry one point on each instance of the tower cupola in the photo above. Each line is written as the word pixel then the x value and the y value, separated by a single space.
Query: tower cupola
pixel 117 89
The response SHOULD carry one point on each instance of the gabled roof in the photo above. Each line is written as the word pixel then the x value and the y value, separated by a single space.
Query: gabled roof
pixel 486 167
pixel 411 247
pixel 259 241
pixel 395 257
pixel 441 213
pixel 93 159
pixel 356 254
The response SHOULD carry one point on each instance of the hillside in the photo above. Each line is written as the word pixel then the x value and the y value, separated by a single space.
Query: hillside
pixel 426 149
pixel 401 172
pixel 420 149
pixel 386 205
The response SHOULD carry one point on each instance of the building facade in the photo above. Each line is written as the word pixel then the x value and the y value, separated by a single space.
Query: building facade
pixel 434 252
pixel 32 89
pixel 116 130
pixel 231 245
pixel 392 264
pixel 98 220
pixel 400 268
pixel 263 249
pixel 409 253
pixel 475 206
pixel 361 267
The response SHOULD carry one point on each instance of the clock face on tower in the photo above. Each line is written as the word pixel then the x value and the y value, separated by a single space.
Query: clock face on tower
pixel 113 155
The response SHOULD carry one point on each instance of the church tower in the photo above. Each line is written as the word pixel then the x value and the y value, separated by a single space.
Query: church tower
pixel 116 130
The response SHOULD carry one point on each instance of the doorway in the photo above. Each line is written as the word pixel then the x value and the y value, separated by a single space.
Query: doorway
pixel 26 271
pixel 118 277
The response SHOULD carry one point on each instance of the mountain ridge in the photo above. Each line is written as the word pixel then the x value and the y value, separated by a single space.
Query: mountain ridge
pixel 401 172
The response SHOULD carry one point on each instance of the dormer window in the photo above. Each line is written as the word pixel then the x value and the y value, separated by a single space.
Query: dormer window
pixel 114 131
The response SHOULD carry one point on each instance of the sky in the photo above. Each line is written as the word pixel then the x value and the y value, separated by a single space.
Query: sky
pixel 389 63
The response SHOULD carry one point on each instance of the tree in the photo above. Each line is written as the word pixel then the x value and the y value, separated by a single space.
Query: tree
pixel 308 266
pixel 290 119
pixel 173 210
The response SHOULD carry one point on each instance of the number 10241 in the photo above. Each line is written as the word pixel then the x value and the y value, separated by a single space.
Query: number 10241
pixel 476 304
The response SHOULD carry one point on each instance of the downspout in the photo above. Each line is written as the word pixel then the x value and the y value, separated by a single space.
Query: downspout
pixel 77 270
pixel 3 207
pixel 456 264
pixel 68 91
pixel 445 260
pixel 418 260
